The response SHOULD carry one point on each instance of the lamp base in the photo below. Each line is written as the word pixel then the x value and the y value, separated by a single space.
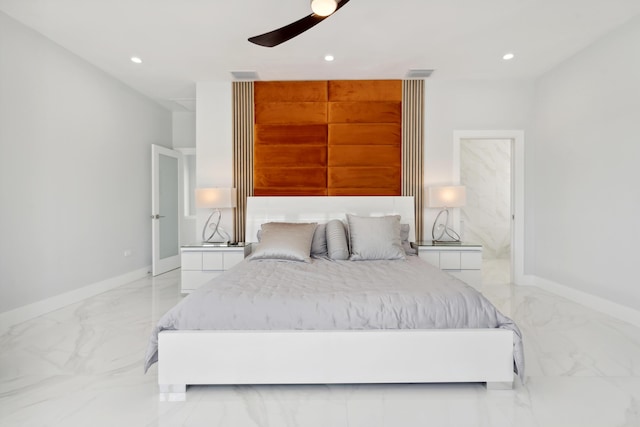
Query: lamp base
pixel 448 242
pixel 216 230
pixel 440 229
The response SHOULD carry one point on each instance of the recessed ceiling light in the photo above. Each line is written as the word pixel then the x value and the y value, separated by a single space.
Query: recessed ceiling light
pixel 329 58
pixel 136 60
pixel 508 56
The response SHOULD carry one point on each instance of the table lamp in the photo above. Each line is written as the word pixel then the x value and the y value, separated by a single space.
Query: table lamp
pixel 445 197
pixel 215 198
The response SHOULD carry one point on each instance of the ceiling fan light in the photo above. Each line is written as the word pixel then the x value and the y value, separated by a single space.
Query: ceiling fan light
pixel 323 7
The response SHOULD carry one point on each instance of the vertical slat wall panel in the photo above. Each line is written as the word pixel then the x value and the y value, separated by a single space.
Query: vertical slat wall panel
pixel 242 152
pixel 413 147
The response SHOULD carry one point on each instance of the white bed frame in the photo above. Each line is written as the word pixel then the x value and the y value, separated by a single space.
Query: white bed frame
pixel 324 357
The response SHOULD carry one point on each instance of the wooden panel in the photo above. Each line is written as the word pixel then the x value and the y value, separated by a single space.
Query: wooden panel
pixel 306 91
pixel 364 177
pixel 354 127
pixel 364 155
pixel 300 191
pixel 365 133
pixel 299 134
pixel 365 112
pixel 365 90
pixel 290 155
pixel 314 177
pixel 291 112
pixel 370 191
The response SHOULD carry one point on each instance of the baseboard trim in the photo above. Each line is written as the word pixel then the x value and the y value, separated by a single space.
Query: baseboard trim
pixel 524 280
pixel 618 311
pixel 30 311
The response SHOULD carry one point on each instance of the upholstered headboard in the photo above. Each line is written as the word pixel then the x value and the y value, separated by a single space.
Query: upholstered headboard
pixel 322 209
pixel 328 138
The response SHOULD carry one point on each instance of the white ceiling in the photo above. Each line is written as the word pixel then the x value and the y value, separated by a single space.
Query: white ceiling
pixel 185 41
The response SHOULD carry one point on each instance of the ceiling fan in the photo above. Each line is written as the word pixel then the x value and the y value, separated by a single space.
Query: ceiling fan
pixel 322 9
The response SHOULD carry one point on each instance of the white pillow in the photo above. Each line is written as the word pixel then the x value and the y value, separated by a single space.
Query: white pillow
pixel 374 238
pixel 285 241
pixel 337 247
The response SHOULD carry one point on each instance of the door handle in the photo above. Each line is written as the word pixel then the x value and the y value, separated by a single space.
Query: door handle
pixel 157 216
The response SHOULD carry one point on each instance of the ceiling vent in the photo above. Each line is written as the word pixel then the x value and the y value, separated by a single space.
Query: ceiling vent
pixel 245 75
pixel 418 74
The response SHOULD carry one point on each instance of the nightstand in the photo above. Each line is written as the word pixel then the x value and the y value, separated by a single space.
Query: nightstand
pixel 202 262
pixel 460 259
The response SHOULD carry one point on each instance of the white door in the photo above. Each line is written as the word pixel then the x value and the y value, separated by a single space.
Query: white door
pixel 166 189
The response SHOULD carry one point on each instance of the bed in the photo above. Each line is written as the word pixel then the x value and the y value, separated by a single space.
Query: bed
pixel 312 344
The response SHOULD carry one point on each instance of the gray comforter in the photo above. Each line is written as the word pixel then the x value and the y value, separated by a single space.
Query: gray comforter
pixel 326 295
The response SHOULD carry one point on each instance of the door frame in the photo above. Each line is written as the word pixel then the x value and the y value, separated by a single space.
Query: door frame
pixel 159 266
pixel 517 189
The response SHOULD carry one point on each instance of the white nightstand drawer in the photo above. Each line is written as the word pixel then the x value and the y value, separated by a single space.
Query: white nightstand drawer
pixel 212 261
pixel 471 260
pixel 201 263
pixel 460 260
pixel 450 260
pixel 191 261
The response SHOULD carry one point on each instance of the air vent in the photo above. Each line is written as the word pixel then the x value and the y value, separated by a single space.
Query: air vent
pixel 245 75
pixel 418 74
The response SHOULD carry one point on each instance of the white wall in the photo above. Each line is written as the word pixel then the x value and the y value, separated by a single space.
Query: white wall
pixel 184 129
pixel 74 170
pixel 585 165
pixel 214 144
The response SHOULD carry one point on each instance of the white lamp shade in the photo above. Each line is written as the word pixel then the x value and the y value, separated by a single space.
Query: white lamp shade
pixel 451 196
pixel 218 198
pixel 323 7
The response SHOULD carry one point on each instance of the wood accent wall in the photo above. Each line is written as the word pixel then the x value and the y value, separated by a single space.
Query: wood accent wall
pixel 365 135
pixel 320 138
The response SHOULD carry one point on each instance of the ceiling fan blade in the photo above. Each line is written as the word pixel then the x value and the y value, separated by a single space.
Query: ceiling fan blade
pixel 281 35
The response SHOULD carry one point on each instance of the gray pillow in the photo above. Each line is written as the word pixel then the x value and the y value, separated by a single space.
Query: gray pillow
pixel 375 238
pixel 337 247
pixel 285 240
pixel 318 244
pixel 404 240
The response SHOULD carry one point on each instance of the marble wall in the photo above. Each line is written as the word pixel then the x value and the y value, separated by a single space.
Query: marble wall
pixel 485 169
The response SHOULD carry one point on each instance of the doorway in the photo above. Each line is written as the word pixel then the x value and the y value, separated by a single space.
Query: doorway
pixel 485 171
pixel 516 190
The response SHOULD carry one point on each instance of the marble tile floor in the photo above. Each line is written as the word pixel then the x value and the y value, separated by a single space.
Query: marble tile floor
pixel 82 366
